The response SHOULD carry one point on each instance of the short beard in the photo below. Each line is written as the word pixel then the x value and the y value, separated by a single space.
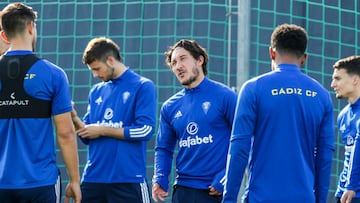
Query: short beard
pixel 189 81
pixel 339 96
pixel 192 79
pixel 111 76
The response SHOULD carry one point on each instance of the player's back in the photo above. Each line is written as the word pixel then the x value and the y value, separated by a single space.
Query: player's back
pixel 290 110
pixel 27 144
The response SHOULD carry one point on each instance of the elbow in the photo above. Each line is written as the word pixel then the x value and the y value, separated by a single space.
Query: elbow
pixel 66 137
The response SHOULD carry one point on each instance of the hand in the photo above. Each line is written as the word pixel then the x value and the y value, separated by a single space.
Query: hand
pixel 72 191
pixel 213 191
pixel 91 131
pixel 158 193
pixel 347 196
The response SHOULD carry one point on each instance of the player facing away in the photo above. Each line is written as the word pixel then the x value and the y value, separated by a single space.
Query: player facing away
pixel 198 120
pixel 346 84
pixel 283 130
pixel 119 121
pixel 35 98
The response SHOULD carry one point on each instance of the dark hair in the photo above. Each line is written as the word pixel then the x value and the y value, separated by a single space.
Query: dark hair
pixel 99 49
pixel 191 46
pixel 351 64
pixel 289 39
pixel 15 17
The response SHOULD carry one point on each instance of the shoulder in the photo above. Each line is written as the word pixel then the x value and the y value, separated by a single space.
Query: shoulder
pixel 219 85
pixel 146 81
pixel 221 94
pixel 252 83
pixel 174 99
pixel 98 86
pixel 263 78
pixel 316 83
pixel 140 79
pixel 43 66
pixel 316 87
pixel 44 63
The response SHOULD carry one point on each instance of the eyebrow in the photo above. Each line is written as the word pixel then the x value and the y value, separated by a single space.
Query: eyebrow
pixel 181 56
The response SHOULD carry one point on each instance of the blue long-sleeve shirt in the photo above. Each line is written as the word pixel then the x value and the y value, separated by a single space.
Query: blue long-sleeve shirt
pixel 199 120
pixel 348 123
pixel 283 130
pixel 127 102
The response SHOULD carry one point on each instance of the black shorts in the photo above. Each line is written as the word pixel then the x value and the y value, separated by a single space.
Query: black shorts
pixel 183 194
pixel 115 192
pixel 44 194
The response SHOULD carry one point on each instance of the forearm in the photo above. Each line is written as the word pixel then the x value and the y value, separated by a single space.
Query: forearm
pixel 117 133
pixel 67 141
pixel 69 151
pixel 78 124
pixel 236 164
pixel 323 172
pixel 162 167
pixel 133 133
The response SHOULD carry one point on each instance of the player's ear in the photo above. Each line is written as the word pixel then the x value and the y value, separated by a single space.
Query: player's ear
pixel 110 61
pixel 303 59
pixel 31 28
pixel 356 79
pixel 200 60
pixel 4 37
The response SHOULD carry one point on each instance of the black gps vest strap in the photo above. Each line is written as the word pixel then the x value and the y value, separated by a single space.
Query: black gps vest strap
pixel 14 101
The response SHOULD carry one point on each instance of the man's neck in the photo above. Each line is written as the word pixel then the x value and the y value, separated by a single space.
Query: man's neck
pixel 352 99
pixel 20 43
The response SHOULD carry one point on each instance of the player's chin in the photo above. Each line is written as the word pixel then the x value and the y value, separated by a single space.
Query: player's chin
pixel 338 96
pixel 180 78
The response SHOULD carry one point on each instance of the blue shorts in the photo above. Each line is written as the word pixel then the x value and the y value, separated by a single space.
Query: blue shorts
pixel 115 192
pixel 44 194
pixel 183 194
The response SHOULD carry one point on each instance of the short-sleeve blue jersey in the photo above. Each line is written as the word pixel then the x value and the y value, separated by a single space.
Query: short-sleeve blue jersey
pixel 348 124
pixel 284 132
pixel 127 102
pixel 27 145
pixel 198 121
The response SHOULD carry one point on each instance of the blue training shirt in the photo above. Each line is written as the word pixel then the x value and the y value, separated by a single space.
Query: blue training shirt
pixel 198 121
pixel 128 102
pixel 27 145
pixel 284 121
pixel 348 124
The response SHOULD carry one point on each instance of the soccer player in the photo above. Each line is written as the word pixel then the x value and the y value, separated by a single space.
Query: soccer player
pixel 283 130
pixel 346 84
pixel 120 119
pixel 198 118
pixel 34 95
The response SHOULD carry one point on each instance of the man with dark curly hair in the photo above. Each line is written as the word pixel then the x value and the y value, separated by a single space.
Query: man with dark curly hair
pixel 283 130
